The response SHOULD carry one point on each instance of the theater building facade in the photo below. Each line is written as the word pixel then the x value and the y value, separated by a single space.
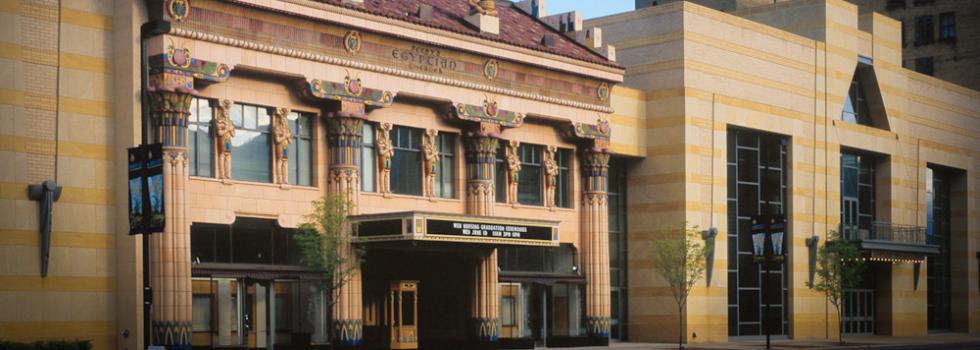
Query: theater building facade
pixel 508 173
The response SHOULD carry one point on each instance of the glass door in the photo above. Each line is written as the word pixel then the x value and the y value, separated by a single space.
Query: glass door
pixel 401 316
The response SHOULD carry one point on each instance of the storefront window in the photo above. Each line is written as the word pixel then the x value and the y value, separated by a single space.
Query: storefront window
pixel 251 158
pixel 563 196
pixel 301 151
pixel 368 160
pixel 199 149
pixel 529 189
pixel 406 164
pixel 500 174
pixel 446 172
pixel 252 241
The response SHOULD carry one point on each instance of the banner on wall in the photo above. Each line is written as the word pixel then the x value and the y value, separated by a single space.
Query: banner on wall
pixel 146 206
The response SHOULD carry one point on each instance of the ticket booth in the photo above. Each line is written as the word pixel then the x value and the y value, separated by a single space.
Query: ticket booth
pixel 401 314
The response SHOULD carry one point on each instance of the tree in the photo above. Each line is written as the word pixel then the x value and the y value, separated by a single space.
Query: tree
pixel 681 260
pixel 839 267
pixel 324 240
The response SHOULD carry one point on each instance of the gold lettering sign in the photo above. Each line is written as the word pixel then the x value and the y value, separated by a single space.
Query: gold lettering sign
pixel 425 59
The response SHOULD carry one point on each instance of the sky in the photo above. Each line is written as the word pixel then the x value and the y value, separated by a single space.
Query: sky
pixel 589 8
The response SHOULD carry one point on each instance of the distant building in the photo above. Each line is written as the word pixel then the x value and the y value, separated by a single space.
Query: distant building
pixel 931 32
pixel 720 5
pixel 935 36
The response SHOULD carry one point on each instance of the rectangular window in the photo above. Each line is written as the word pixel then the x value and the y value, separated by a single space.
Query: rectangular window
pixel 201 310
pixel 368 160
pixel 923 30
pixel 301 151
pixel 446 171
pixel 857 185
pixel 529 189
pixel 500 174
pixel 947 26
pixel 199 150
pixel 563 190
pixel 924 65
pixel 895 4
pixel 251 156
pixel 406 164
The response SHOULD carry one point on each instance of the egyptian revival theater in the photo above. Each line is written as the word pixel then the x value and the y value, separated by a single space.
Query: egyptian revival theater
pixel 509 172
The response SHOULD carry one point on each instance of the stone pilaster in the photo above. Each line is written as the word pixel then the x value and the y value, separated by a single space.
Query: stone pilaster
pixel 344 135
pixel 595 242
pixel 170 251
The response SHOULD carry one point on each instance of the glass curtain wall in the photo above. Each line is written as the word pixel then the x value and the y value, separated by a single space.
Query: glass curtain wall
pixel 757 173
pixel 937 266
pixel 618 248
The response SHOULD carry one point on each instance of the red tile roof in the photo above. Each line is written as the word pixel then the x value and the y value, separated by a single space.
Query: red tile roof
pixel 516 27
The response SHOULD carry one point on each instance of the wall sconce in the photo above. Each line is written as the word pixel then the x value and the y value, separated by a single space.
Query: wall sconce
pixel 45 193
pixel 811 244
pixel 709 241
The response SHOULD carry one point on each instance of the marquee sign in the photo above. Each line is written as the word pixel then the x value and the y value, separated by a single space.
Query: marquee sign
pixel 421 226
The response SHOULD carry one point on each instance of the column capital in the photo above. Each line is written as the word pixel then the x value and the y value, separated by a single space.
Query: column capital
pixel 486 114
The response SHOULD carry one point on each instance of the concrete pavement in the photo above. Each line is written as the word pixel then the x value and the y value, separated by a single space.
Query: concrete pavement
pixel 940 341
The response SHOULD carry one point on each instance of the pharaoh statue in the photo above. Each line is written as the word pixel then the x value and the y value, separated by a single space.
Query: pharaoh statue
pixel 282 137
pixel 224 132
pixel 385 151
pixel 513 160
pixel 550 176
pixel 430 150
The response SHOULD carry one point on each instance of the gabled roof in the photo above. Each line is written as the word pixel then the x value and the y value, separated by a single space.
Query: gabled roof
pixel 516 27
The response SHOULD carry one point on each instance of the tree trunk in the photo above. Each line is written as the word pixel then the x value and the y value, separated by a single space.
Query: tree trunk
pixel 680 326
pixel 840 321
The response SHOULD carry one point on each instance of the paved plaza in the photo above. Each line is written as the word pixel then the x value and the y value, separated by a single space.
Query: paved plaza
pixel 935 341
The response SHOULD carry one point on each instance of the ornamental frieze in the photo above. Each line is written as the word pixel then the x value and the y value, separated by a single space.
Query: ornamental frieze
pixel 284 34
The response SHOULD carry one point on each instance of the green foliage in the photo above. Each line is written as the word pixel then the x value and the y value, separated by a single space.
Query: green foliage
pixel 324 240
pixel 681 259
pixel 839 267
pixel 48 345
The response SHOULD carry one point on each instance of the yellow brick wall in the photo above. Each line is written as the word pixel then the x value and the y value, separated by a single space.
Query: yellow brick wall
pixel 784 69
pixel 56 118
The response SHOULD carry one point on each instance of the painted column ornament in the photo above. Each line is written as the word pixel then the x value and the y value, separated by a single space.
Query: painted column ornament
pixel 282 137
pixel 224 133
pixel 513 159
pixel 550 176
pixel 430 153
pixel 385 151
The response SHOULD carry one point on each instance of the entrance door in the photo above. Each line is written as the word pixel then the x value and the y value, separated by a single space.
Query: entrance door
pixel 401 314
pixel 238 313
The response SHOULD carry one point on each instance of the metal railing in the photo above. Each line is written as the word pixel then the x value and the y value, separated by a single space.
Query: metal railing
pixel 886 231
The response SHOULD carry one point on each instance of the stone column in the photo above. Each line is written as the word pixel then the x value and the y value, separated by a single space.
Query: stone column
pixel 481 154
pixel 595 243
pixel 170 251
pixel 344 130
pixel 481 151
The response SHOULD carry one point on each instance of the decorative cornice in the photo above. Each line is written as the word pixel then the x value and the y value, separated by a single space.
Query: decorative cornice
pixel 277 50
pixel 350 90
pixel 488 113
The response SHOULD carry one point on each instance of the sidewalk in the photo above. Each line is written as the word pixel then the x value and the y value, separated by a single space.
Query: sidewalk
pixel 935 341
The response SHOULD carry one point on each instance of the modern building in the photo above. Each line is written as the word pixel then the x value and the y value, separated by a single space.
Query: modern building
pixel 803 109
pixel 509 173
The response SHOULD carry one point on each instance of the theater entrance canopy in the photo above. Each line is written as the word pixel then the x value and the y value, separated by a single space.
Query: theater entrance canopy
pixel 438 227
